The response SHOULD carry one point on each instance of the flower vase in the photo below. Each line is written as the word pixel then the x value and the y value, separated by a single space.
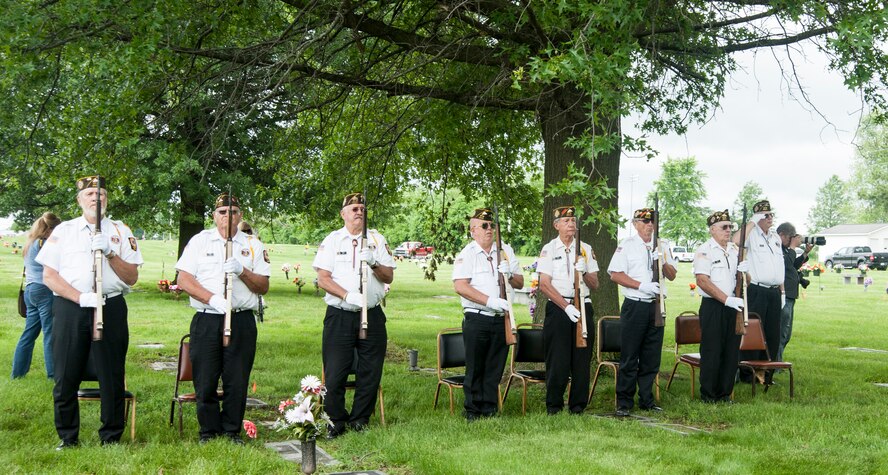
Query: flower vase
pixel 816 272
pixel 309 456
pixel 299 289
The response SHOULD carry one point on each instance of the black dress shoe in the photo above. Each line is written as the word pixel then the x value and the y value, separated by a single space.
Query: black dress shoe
pixel 358 426
pixel 206 438
pixel 236 439
pixel 622 412
pixel 66 444
pixel 653 408
pixel 110 442
pixel 335 431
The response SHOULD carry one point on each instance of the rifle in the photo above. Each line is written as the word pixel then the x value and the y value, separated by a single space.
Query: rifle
pixel 229 280
pixel 365 277
pixel 509 319
pixel 659 300
pixel 742 320
pixel 98 326
pixel 582 330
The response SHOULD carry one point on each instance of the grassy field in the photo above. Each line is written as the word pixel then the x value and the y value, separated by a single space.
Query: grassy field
pixel 835 424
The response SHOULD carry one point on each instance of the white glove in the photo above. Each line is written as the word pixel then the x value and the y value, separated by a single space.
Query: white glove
pixel 652 289
pixel 505 269
pixel 219 303
pixel 354 298
pixel 100 242
pixel 233 266
pixel 743 267
pixel 757 217
pixel 572 313
pixel 734 302
pixel 580 266
pixel 655 256
pixel 90 300
pixel 498 304
pixel 782 300
pixel 367 256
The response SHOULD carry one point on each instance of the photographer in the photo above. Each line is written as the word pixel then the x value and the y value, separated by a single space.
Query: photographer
pixel 790 240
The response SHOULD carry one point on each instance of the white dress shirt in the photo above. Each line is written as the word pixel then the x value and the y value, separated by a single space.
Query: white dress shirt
pixel 340 254
pixel 557 261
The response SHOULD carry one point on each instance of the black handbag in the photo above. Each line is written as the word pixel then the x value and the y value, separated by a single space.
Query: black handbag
pixel 23 309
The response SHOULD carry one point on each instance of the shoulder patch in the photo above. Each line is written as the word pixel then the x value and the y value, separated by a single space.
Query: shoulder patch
pixel 245 252
pixel 115 239
pixel 132 242
pixel 265 256
pixel 543 253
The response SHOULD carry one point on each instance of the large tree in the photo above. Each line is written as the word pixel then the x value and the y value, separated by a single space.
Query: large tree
pixel 445 92
pixel 832 206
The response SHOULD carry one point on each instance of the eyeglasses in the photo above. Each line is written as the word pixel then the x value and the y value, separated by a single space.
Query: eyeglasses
pixel 485 226
pixel 355 209
pixel 224 212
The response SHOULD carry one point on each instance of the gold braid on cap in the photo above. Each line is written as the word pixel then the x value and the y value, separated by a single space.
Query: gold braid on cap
pixel 644 213
pixel 718 216
pixel 90 182
pixel 564 212
pixel 224 200
pixel 353 199
pixel 484 214
pixel 762 206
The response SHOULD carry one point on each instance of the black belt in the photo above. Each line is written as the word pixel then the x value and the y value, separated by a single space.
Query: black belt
pixel 765 286
pixel 571 298
pixel 353 311
pixel 482 312
pixel 233 311
pixel 111 295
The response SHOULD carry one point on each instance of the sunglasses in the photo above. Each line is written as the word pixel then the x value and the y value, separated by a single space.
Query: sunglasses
pixel 769 215
pixel 224 212
pixel 645 220
pixel 726 227
pixel 485 226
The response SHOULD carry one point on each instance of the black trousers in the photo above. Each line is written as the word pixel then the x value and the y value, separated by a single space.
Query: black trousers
pixel 486 351
pixel 718 350
pixel 640 346
pixel 766 303
pixel 340 342
pixel 210 361
pixel 564 361
pixel 72 345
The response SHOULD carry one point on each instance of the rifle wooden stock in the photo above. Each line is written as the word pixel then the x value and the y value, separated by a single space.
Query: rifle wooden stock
pixel 659 301
pixel 365 277
pixel 742 320
pixel 508 318
pixel 98 326
pixel 229 281
pixel 582 333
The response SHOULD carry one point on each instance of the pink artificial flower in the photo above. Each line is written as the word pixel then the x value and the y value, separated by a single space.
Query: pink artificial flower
pixel 285 404
pixel 250 429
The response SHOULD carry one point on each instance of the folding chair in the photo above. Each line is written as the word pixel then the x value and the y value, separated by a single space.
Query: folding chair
pixel 93 394
pixel 528 349
pixel 687 332
pixel 754 340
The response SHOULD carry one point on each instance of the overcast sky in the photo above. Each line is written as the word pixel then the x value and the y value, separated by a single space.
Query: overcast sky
pixel 762 133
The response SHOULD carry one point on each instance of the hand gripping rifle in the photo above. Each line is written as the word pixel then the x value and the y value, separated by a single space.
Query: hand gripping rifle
pixel 365 277
pixel 509 318
pixel 98 325
pixel 229 279
pixel 742 320
pixel 582 331
pixel 659 300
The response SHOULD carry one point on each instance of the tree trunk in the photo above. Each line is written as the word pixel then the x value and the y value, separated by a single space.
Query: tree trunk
pixel 564 117
pixel 191 213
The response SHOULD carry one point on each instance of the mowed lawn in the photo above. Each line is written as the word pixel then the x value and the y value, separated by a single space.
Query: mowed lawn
pixel 836 423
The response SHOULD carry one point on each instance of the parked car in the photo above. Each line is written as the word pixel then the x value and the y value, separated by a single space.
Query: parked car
pixel 413 249
pixel 682 254
pixel 854 256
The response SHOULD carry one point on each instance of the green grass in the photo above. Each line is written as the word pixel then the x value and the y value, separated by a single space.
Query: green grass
pixel 835 424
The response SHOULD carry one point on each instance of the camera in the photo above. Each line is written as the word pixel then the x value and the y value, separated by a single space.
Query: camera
pixel 804 282
pixel 814 240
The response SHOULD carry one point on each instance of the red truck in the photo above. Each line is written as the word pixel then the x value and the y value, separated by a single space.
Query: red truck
pixel 413 249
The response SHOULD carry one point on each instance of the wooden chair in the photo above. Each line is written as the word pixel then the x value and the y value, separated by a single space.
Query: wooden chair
pixel 528 349
pixel 351 384
pixel 687 332
pixel 93 394
pixel 754 340
pixel 607 340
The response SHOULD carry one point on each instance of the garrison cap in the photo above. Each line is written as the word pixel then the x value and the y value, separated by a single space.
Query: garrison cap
pixel 90 182
pixel 564 212
pixel 718 217
pixel 644 213
pixel 224 199
pixel 484 214
pixel 763 206
pixel 353 199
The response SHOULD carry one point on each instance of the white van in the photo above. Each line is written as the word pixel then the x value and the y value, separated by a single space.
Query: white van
pixel 682 254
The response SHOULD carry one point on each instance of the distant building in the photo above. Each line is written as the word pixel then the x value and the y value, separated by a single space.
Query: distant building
pixel 873 235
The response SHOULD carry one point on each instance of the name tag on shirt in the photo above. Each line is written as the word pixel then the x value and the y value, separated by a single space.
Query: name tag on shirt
pixel 341 253
pixel 557 258
pixel 210 254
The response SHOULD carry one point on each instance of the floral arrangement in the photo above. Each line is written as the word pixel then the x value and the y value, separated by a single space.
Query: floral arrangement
pixel 285 268
pixel 534 287
pixel 250 429
pixel 863 268
pixel 304 415
pixel 692 286
pixel 531 268
pixel 299 281
pixel 867 282
pixel 163 285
